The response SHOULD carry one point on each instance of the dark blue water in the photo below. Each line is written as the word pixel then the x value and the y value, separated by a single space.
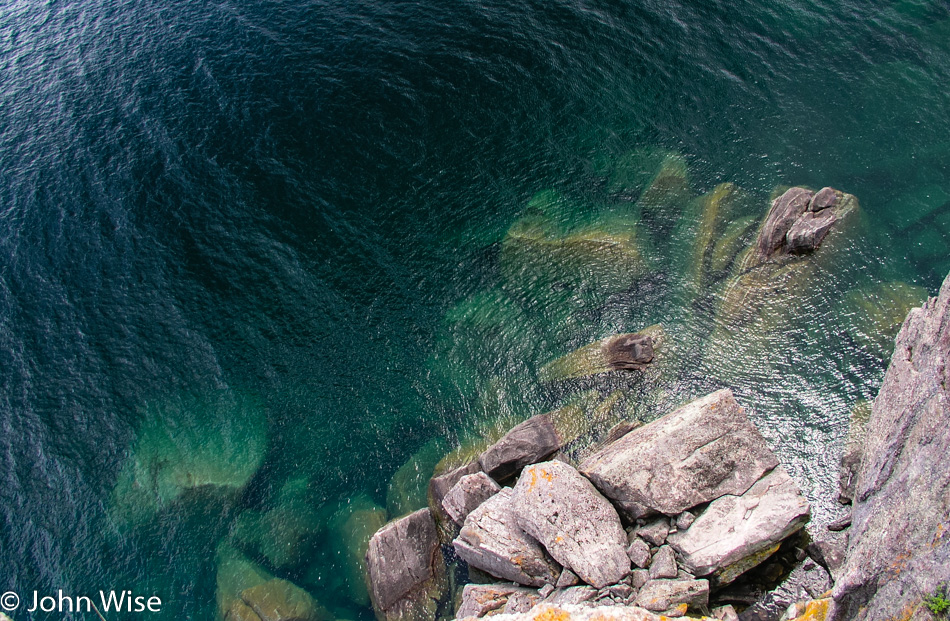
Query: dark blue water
pixel 233 236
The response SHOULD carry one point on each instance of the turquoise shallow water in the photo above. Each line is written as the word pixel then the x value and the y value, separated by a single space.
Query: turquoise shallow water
pixel 258 248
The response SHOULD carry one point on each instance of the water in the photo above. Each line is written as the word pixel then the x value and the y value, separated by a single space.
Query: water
pixel 260 244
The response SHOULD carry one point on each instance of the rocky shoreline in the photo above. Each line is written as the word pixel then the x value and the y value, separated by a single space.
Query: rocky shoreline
pixel 680 516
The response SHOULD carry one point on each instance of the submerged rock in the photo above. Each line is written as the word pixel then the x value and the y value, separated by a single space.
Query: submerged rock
pixel 734 533
pixel 492 541
pixel 235 574
pixel 280 600
pixel 405 569
pixel 200 450
pixel 695 454
pixel 351 528
pixel 875 313
pixel 899 549
pixel 408 487
pixel 578 527
pixel 527 443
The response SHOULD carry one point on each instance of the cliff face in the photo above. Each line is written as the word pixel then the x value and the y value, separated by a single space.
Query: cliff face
pixel 899 550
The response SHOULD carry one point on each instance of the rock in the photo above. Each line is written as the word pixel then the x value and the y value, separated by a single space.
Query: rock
pixel 567 579
pixel 823 199
pixel 853 450
pixel 663 564
pixel 840 524
pixel 785 212
pixel 695 454
pixel 806 581
pixel 725 613
pixel 287 533
pixel 734 528
pixel 547 590
pixel 578 527
pixel 280 600
pixel 875 313
pixel 814 610
pixel 899 546
pixel 235 573
pixel 521 600
pixel 626 351
pixel 480 599
pixel 639 577
pixel 466 496
pixel 528 443
pixel 809 231
pixel 492 540
pixel 239 611
pixel 408 487
pixel 439 486
pixel 829 550
pixel 659 595
pixel 666 194
pixel 639 553
pixel 573 595
pixel 197 452
pixel 352 526
pixel 684 520
pixel 405 569
pixel 655 532
pixel 675 612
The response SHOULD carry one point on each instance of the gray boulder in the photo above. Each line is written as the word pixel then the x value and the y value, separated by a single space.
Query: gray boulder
pixel 492 541
pixel 660 595
pixel 655 532
pixel 578 527
pixel 480 599
pixel 899 548
pixel 521 600
pixel 785 212
pixel 528 443
pixel 470 492
pixel 572 596
pixel 695 454
pixel 639 553
pixel 440 486
pixel 735 533
pixel 405 569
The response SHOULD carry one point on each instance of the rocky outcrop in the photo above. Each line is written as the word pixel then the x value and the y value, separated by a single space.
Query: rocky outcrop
pixel 734 529
pixel 627 351
pixel 527 443
pixel 405 569
pixel 700 452
pixel 578 527
pixel 492 541
pixel 899 550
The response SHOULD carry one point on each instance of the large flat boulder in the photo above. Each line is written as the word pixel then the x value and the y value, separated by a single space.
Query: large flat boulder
pixel 578 527
pixel 527 443
pixel 704 450
pixel 735 528
pixel 405 569
pixel 899 549
pixel 492 541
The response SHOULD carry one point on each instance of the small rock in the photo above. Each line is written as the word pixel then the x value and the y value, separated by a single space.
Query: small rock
pixel 492 540
pixel 655 532
pixel 547 589
pixel 440 486
pixel 725 613
pixel 684 520
pixel 621 591
pixel 639 553
pixel 572 595
pixel 639 577
pixel 480 599
pixel 840 524
pixel 567 579
pixel 466 495
pixel 663 564
pixel 521 601
pixel 675 612
pixel 823 199
pixel 659 595
pixel 530 442
pixel 578 527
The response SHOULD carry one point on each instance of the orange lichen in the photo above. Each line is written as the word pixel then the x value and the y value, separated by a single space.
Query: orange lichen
pixel 815 610
pixel 552 613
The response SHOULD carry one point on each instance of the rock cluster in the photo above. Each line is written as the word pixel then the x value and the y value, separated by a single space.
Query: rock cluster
pixel 654 521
